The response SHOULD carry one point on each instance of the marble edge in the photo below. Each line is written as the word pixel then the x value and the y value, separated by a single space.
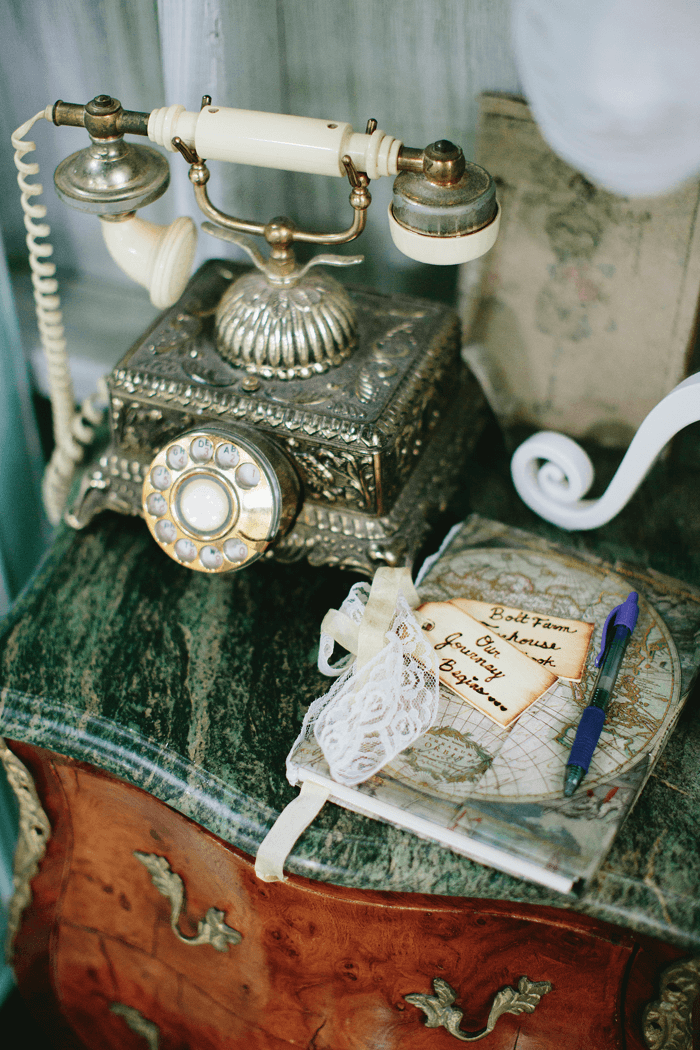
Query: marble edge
pixel 243 822
pixel 130 756
pixel 203 797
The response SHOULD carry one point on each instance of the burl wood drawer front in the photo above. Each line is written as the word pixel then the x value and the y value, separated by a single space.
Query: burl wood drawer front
pixel 228 961
pixel 121 998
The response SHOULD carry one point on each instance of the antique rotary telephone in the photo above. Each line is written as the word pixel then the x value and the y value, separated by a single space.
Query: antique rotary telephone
pixel 268 410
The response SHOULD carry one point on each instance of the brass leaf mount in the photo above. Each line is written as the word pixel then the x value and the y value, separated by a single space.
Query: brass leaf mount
pixel 138 1023
pixel 440 1011
pixel 667 1023
pixel 210 930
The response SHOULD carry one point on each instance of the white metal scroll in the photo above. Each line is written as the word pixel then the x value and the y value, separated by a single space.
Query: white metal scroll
pixel 552 474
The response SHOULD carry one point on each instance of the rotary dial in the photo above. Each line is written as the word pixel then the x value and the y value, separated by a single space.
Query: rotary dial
pixel 213 500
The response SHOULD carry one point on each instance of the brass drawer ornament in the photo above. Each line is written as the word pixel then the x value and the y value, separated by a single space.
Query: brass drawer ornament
pixel 210 930
pixel 441 1013
pixel 667 1023
pixel 138 1023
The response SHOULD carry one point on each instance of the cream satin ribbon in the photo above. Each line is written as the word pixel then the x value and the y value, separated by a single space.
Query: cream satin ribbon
pixel 365 640
pixel 292 821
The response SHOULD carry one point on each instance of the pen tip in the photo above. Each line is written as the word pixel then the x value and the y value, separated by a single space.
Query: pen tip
pixel 572 778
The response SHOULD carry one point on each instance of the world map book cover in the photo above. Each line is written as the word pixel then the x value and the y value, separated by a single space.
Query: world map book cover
pixel 494 793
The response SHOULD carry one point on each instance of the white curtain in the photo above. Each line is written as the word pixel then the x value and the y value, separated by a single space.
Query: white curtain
pixel 417 66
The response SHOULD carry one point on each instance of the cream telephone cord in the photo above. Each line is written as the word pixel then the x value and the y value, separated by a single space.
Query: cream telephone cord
pixel 72 430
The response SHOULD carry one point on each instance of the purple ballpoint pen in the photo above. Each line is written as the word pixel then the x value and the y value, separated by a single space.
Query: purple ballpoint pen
pixel 616 634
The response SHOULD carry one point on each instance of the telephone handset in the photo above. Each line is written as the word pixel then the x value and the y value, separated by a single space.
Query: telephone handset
pixel 270 411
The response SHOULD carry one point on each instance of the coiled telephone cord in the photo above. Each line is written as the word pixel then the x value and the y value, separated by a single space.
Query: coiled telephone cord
pixel 72 430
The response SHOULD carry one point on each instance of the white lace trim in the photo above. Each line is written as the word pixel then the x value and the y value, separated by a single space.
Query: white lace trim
pixel 370 715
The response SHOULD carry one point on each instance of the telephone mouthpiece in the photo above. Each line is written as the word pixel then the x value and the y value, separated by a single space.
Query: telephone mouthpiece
pixel 444 221
pixel 111 177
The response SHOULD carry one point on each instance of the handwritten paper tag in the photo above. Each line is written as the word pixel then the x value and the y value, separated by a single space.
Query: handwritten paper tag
pixel 560 645
pixel 490 674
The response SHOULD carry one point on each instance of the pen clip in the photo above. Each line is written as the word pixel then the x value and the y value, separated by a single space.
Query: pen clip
pixel 624 615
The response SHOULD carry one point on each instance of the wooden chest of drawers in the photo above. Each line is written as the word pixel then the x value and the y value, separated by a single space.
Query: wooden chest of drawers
pixel 146 930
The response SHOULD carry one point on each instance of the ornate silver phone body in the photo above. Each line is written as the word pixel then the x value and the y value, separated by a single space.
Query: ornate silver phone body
pixel 272 411
pixel 351 463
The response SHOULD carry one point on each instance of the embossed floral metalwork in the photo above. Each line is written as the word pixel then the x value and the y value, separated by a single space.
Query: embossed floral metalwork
pixel 34 834
pixel 378 442
pixel 210 930
pixel 667 1023
pixel 179 329
pixel 441 1013
pixel 332 475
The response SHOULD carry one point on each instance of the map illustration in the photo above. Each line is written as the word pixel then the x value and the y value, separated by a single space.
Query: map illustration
pixel 466 755
pixel 495 794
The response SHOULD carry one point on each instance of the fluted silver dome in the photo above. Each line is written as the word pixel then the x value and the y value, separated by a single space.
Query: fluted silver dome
pixel 283 331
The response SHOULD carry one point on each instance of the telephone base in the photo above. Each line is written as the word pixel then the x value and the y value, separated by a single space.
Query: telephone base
pixel 325 536
pixel 378 443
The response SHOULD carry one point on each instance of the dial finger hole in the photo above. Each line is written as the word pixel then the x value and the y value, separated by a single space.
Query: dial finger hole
pixel 165 531
pixel 201 450
pixel 156 505
pixel 235 550
pixel 227 456
pixel 185 550
pixel 211 558
pixel 160 478
pixel 176 457
pixel 248 476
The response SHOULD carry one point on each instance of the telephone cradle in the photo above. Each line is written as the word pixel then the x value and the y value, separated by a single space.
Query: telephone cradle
pixel 227 463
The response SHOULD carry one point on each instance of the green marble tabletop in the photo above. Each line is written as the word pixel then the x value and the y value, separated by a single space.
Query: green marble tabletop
pixel 194 688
